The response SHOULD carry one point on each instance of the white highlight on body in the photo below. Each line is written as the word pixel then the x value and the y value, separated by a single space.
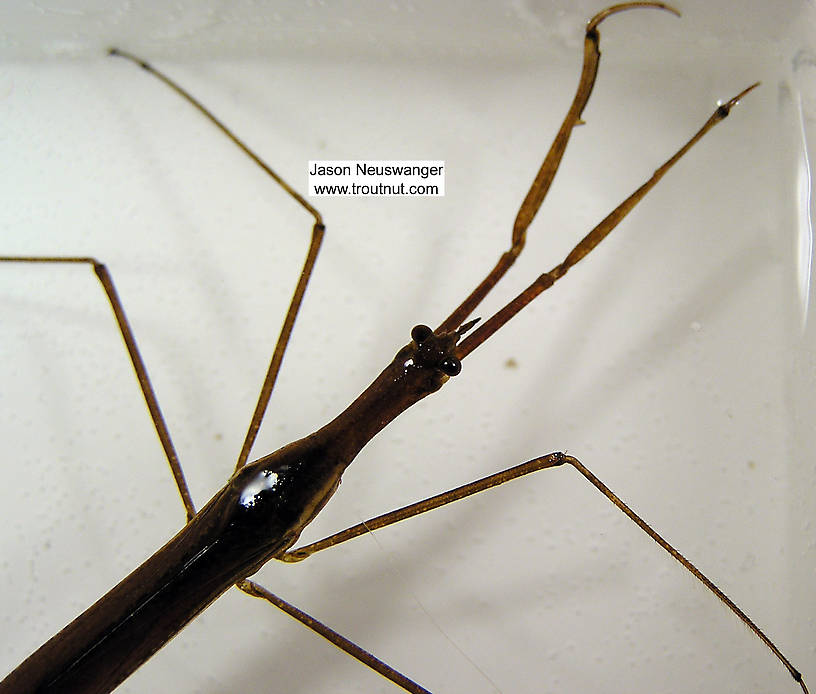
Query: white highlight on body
pixel 263 481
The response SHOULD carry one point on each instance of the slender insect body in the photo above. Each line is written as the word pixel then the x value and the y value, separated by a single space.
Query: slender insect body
pixel 664 363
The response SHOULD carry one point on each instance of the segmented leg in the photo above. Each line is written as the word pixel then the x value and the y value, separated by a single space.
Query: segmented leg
pixel 318 231
pixel 549 167
pixel 593 238
pixel 142 376
pixel 360 654
pixel 542 463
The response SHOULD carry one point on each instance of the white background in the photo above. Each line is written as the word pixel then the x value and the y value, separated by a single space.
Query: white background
pixel 676 361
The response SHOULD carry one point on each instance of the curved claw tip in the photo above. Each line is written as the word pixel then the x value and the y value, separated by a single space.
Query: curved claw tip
pixel 733 101
pixel 614 9
pixel 745 91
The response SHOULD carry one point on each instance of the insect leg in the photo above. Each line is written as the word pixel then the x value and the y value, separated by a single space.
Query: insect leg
pixel 546 173
pixel 355 651
pixel 545 462
pixel 142 376
pixel 594 237
pixel 318 231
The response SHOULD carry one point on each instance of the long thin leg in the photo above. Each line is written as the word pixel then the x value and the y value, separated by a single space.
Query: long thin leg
pixel 429 504
pixel 593 238
pixel 542 463
pixel 544 178
pixel 360 654
pixel 281 345
pixel 142 376
pixel 318 231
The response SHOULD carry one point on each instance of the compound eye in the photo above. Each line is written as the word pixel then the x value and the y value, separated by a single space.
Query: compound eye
pixel 420 333
pixel 450 366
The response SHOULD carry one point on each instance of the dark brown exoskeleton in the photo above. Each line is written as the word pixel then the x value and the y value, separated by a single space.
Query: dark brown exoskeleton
pixel 260 512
